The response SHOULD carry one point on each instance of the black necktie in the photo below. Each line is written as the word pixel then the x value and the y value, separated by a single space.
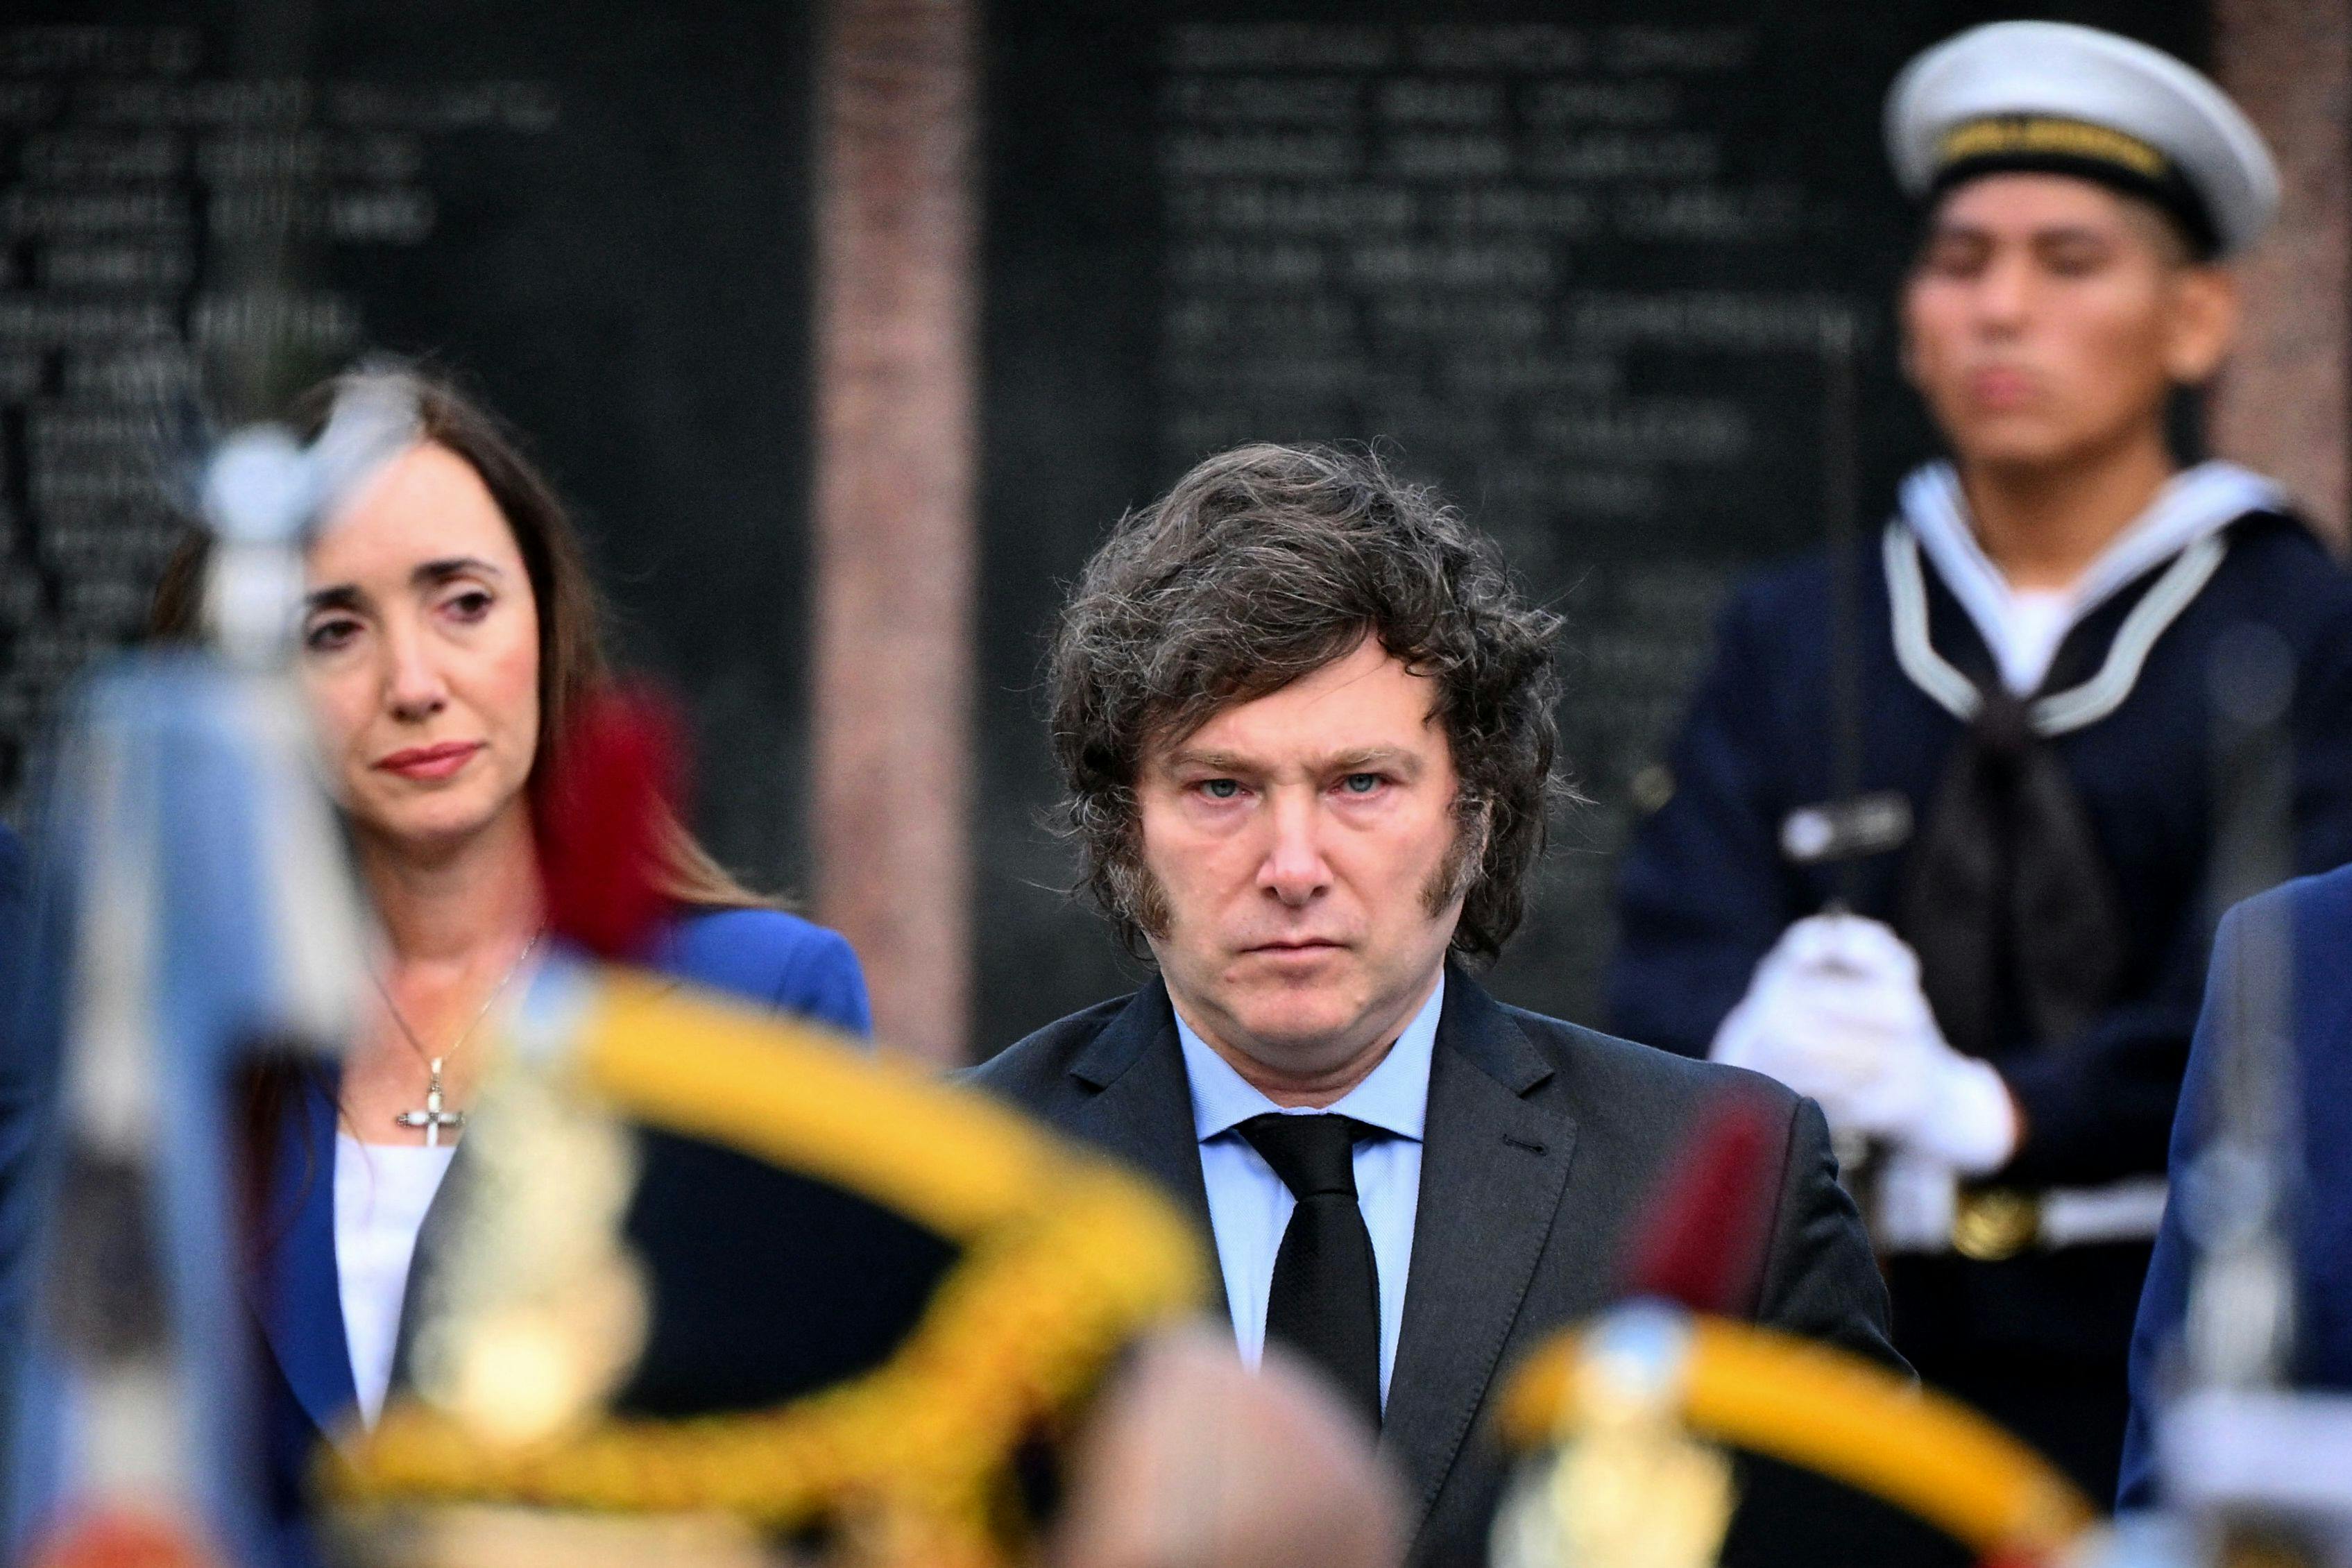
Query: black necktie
pixel 1326 1300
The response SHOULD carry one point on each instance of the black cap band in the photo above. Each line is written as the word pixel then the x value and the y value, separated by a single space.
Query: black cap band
pixel 2046 144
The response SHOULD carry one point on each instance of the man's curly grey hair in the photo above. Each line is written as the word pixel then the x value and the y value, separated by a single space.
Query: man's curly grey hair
pixel 1262 565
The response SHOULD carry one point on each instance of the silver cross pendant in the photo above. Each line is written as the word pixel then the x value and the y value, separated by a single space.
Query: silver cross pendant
pixel 431 1117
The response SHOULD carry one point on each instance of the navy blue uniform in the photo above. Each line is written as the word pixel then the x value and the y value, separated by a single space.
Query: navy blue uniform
pixel 1706 892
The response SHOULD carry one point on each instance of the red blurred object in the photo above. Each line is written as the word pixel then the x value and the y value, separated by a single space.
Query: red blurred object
pixel 1703 1240
pixel 121 1538
pixel 607 819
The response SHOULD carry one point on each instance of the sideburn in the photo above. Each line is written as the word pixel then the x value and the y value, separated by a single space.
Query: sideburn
pixel 1137 894
pixel 1465 858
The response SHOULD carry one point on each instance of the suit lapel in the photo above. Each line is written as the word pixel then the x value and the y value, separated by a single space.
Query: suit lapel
pixel 1493 1169
pixel 295 1290
pixel 1141 1109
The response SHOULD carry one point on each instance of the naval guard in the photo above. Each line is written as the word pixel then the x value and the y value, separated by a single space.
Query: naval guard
pixel 1982 952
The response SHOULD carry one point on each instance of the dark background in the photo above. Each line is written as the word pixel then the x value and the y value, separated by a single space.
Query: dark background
pixel 617 263
pixel 1078 405
pixel 618 260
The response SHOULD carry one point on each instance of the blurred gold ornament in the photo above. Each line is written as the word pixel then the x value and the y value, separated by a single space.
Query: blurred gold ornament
pixel 538 1311
pixel 1991 1224
pixel 478 1535
pixel 1061 1261
pixel 1626 1485
pixel 1821 1410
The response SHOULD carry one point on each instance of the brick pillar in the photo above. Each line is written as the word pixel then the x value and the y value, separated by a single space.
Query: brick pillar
pixel 2283 405
pixel 894 525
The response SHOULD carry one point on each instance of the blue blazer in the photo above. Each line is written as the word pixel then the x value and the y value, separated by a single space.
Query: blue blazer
pixel 21 1095
pixel 2319 912
pixel 16 880
pixel 764 956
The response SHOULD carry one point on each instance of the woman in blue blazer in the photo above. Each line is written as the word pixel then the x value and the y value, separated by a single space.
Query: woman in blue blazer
pixel 449 629
pixel 2315 914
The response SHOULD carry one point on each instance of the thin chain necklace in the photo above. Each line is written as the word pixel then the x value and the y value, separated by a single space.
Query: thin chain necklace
pixel 433 1118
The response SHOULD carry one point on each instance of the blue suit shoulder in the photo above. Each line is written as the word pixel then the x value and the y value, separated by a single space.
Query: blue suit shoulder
pixel 2327 896
pixel 771 958
pixel 15 937
pixel 2316 910
pixel 2315 907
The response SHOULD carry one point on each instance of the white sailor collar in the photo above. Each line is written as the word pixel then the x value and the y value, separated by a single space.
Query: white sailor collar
pixel 2182 525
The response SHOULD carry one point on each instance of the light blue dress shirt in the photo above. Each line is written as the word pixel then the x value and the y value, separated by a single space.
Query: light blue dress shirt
pixel 1249 1208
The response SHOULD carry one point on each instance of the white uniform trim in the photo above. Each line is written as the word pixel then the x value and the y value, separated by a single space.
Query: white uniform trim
pixel 2185 523
pixel 1907 593
pixel 2126 1211
pixel 1919 1200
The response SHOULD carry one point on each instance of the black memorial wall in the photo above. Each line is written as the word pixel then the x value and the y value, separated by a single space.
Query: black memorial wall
pixel 596 214
pixel 1573 264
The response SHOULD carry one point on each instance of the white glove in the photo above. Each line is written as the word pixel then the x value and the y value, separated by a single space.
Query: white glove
pixel 1835 1011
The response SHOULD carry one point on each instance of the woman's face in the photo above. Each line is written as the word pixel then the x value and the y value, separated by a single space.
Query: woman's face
pixel 420 655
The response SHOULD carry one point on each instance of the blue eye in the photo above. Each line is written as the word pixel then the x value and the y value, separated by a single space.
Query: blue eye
pixel 1220 789
pixel 1361 784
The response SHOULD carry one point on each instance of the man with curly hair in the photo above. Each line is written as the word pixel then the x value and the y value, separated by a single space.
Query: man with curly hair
pixel 1305 721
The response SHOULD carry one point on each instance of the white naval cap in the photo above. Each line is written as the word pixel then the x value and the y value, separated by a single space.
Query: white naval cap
pixel 2054 97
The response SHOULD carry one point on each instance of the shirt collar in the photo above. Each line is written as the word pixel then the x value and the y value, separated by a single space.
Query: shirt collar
pixel 2202 500
pixel 1393 1097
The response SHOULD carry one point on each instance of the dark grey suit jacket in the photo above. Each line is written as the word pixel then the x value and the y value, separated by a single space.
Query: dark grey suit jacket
pixel 1542 1140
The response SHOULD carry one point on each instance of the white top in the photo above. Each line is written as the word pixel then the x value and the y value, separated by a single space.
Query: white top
pixel 1249 1208
pixel 2039 619
pixel 381 1191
